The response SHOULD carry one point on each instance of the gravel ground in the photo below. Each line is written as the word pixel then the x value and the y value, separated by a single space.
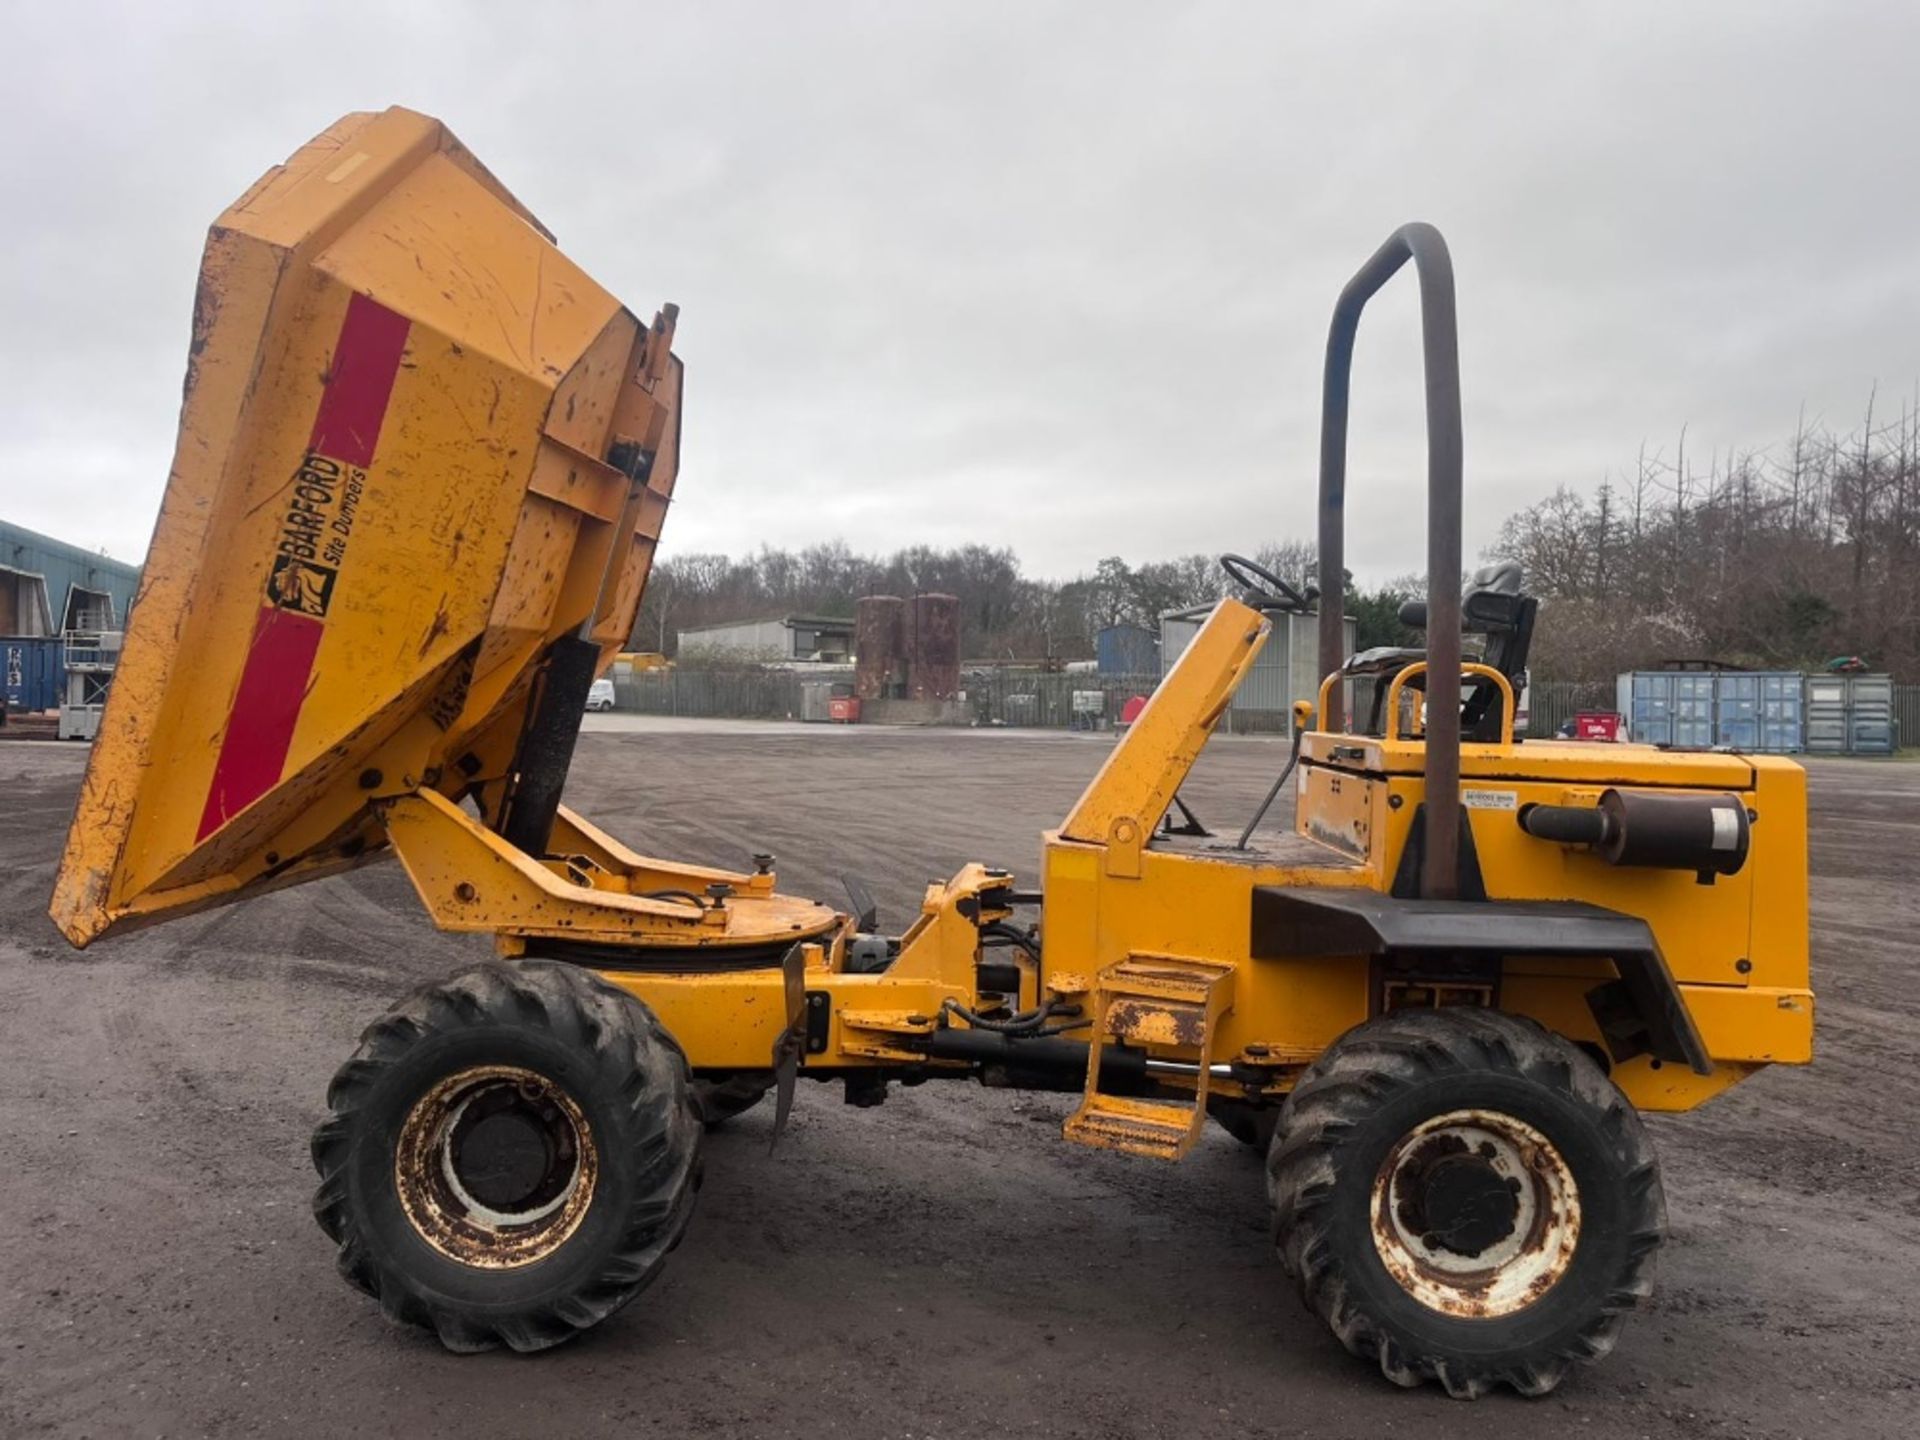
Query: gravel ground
pixel 943 1266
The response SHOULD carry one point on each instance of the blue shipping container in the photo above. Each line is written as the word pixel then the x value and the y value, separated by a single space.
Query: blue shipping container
pixel 32 675
pixel 1758 711
pixel 1126 650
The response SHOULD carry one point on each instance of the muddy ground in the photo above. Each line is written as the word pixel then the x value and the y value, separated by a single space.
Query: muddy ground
pixel 944 1266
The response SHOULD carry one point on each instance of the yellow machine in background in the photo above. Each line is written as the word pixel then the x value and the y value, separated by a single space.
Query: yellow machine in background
pixel 639 660
pixel 423 465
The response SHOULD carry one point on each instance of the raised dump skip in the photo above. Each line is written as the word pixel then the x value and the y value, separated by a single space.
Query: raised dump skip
pixel 419 450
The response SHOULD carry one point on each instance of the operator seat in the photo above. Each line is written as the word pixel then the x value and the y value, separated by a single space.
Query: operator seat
pixel 1492 604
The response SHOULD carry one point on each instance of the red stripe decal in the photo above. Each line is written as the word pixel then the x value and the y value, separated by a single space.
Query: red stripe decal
pixel 273 681
pixel 265 708
pixel 359 382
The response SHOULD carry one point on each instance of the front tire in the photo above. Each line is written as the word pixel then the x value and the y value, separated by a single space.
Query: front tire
pixel 511 1154
pixel 1464 1197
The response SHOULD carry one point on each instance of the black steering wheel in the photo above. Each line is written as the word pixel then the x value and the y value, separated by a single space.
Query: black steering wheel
pixel 1249 576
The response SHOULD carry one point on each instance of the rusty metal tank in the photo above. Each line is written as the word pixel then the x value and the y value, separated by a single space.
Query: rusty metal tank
pixel 879 647
pixel 933 669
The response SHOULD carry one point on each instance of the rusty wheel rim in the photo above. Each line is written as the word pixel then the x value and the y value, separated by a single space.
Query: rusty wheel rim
pixel 496 1167
pixel 1475 1214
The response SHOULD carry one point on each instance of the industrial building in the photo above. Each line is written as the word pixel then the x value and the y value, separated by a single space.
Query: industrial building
pixel 61 610
pixel 1287 668
pixel 47 585
pixel 823 638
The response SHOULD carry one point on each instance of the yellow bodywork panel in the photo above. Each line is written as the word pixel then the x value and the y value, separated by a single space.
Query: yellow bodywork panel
pixel 417 445
pixel 472 880
pixel 729 1021
pixel 1151 945
pixel 1737 947
pixel 1747 928
pixel 1137 784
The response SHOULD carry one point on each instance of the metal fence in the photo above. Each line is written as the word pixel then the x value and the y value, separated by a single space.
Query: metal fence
pixel 1552 703
pixel 1064 700
pixel 1059 701
pixel 733 693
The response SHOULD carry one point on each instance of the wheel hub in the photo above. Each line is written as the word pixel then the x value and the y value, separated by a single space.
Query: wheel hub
pixel 1455 1199
pixel 511 1152
pixel 495 1166
pixel 1475 1214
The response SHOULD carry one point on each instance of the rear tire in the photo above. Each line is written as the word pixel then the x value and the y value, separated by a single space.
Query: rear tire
pixel 511 1154
pixel 1464 1197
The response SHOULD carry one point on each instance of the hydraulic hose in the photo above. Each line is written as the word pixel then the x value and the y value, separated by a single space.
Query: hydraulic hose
pixel 686 895
pixel 1027 1022
pixel 1011 935
pixel 1293 758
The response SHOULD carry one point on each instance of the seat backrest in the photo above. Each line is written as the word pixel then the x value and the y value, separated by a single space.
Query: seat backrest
pixel 1492 603
pixel 1491 598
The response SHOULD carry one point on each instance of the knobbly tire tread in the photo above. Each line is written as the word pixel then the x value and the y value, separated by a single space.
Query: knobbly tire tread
pixel 638 1075
pixel 1327 1117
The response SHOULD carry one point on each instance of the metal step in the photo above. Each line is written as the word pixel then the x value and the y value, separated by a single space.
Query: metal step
pixel 1156 1129
pixel 1171 1006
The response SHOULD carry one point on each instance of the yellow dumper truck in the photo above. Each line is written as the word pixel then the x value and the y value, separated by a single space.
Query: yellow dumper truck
pixel 423 465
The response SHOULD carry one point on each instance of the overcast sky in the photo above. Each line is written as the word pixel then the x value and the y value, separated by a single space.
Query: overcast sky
pixel 1052 276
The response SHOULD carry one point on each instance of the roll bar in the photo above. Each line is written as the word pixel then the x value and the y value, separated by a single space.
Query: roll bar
pixel 1440 345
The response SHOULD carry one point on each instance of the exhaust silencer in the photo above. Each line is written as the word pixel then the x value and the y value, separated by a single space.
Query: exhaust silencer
pixel 1707 834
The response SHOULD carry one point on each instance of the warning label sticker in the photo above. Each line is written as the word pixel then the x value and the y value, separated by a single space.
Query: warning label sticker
pixel 1490 799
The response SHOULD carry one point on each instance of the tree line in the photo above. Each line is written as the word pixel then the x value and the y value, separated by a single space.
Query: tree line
pixel 1776 557
pixel 1005 614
